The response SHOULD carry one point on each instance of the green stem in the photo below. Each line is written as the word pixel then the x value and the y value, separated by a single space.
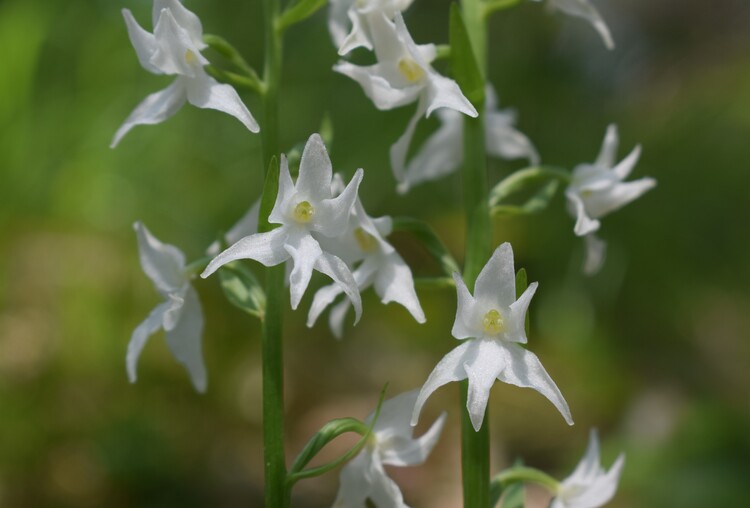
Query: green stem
pixel 527 475
pixel 490 6
pixel 475 446
pixel 276 493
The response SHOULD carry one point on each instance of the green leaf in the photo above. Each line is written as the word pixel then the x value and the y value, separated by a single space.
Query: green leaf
pixel 535 204
pixel 424 233
pixel 463 61
pixel 522 282
pixel 525 179
pixel 242 289
pixel 297 12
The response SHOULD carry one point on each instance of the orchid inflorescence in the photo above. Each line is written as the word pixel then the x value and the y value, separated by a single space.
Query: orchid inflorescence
pixel 317 222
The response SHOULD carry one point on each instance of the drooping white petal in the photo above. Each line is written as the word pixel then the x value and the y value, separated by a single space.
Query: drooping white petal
pixel 205 92
pixel 355 482
pixel 164 264
pixel 324 297
pixel 584 224
pixel 450 368
pixel 140 335
pixel 524 369
pixel 496 283
pixel 482 370
pixel 337 270
pixel 394 283
pixel 518 312
pixel 464 326
pixel 617 196
pixel 265 248
pixel 338 19
pixel 400 148
pixel 154 109
pixel 384 491
pixel 336 317
pixel 584 9
pixel 186 19
pixel 608 153
pixel 445 93
pixel 596 252
pixel 504 141
pixel 144 42
pixel 333 214
pixel 305 251
pixel 184 340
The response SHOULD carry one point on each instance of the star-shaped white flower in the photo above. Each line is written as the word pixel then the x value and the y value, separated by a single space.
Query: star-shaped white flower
pixel 493 321
pixel 175 49
pixel 180 315
pixel 379 264
pixel 590 486
pixel 584 9
pixel 306 211
pixel 391 443
pixel 443 152
pixel 348 20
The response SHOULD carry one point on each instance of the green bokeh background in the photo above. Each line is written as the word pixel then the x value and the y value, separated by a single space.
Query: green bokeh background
pixel 654 351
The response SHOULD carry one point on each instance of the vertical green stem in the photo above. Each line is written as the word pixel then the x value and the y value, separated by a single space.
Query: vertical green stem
pixel 475 446
pixel 276 493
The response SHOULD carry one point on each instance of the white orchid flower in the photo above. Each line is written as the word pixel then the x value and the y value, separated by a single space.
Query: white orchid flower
pixel 493 321
pixel 175 49
pixel 380 265
pixel 598 189
pixel 404 75
pixel 347 21
pixel 180 315
pixel 443 152
pixel 391 443
pixel 590 486
pixel 306 211
pixel 584 9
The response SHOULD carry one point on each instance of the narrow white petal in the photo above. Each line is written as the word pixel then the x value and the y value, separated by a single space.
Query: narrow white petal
pixel 337 270
pixel 205 92
pixel 587 469
pixel 246 226
pixel 623 169
pixel 186 19
pixel 286 192
pixel 355 482
pixel 140 335
pixel 305 251
pixel 620 195
pixel 584 9
pixel 445 93
pixel 174 46
pixel 164 264
pixel 525 370
pixel 496 283
pixel 324 297
pixel 604 488
pixel 596 252
pixel 332 215
pixel 463 326
pixel 357 37
pixel 450 368
pixel 144 42
pixel 376 87
pixel 608 153
pixel 337 316
pixel 185 340
pixel 482 370
pixel 415 451
pixel 315 170
pixel 518 312
pixel 154 109
pixel 400 148
pixel 385 493
pixel 584 224
pixel 504 141
pixel 338 20
pixel 394 283
pixel 265 248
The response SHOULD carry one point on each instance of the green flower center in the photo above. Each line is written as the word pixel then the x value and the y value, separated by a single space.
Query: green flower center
pixel 493 322
pixel 303 212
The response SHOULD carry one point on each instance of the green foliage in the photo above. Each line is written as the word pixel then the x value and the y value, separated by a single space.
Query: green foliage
pixel 466 70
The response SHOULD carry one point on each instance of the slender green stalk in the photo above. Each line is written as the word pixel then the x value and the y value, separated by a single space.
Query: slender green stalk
pixel 276 493
pixel 475 446
pixel 527 475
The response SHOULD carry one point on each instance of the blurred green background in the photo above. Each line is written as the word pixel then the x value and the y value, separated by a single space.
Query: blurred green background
pixel 654 351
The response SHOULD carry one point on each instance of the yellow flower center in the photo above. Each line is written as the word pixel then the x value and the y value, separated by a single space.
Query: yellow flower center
pixel 303 212
pixel 587 193
pixel 365 240
pixel 410 69
pixel 190 57
pixel 493 322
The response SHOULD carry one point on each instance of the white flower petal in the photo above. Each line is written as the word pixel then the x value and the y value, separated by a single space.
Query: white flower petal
pixel 385 493
pixel 164 264
pixel 140 335
pixel 305 251
pixel 413 452
pixel 324 297
pixel 336 318
pixel 504 141
pixel 525 370
pixel 608 153
pixel 357 37
pixel 623 169
pixel 355 482
pixel 205 92
pixel 496 283
pixel 376 87
pixel 315 170
pixel 154 109
pixel 588 467
pixel 584 9
pixel 400 148
pixel 518 312
pixel 394 283
pixel 338 271
pixel 186 19
pixel 286 192
pixel 265 248
pixel 489 360
pixel 174 46
pixel 450 368
pixel 332 215
pixel 584 224
pixel 338 18
pixel 445 93
pixel 463 326
pixel 603 489
pixel 144 43
pixel 185 340
pixel 596 252
pixel 600 204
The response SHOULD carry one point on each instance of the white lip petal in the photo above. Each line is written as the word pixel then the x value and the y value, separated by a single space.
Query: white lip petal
pixel 482 371
pixel 154 109
pixel 394 283
pixel 140 336
pixel 304 251
pixel 324 297
pixel 163 263
pixel 596 252
pixel 185 340
pixel 205 92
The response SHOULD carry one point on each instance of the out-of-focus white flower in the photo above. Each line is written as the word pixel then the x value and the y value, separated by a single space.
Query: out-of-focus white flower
pixel 391 443
pixel 180 315
pixel 598 189
pixel 443 152
pixel 590 486
pixel 306 211
pixel 404 75
pixel 175 49
pixel 584 9
pixel 493 321
pixel 379 264
pixel 347 20
pixel 247 225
